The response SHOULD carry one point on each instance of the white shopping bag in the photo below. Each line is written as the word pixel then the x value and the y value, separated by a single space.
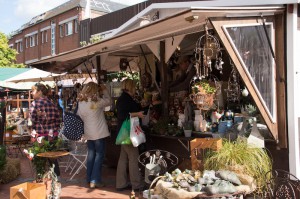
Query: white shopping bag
pixel 137 135
pixel 146 119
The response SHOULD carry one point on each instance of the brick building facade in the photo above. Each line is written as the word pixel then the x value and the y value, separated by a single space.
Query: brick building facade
pixel 57 30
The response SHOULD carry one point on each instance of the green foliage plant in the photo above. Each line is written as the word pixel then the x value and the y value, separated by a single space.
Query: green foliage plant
pixel 239 157
pixel 203 86
pixel 7 54
pixel 188 125
pixel 41 145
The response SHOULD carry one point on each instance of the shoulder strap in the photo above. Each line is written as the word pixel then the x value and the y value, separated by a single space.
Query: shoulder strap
pixel 76 108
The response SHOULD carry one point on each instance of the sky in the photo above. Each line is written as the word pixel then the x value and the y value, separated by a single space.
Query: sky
pixel 15 13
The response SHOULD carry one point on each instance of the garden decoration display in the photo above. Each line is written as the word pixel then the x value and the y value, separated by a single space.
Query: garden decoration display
pixel 197 184
pixel 242 159
pixel 203 95
pixel 41 145
pixel 207 49
pixel 53 187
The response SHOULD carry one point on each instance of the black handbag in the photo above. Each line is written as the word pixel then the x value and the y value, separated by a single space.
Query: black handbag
pixel 73 125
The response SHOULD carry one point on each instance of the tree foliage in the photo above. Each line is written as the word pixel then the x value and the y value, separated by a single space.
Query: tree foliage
pixel 7 55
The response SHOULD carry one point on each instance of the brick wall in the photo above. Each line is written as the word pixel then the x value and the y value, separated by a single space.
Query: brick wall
pixel 41 48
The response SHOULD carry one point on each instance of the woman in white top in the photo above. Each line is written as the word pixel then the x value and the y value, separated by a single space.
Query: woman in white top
pixel 91 103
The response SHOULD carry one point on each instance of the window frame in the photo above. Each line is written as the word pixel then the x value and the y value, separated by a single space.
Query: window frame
pixel 46 36
pixel 76 26
pixel 21 46
pixel 42 36
pixel 61 31
pixel 32 41
pixel 278 128
pixel 68 28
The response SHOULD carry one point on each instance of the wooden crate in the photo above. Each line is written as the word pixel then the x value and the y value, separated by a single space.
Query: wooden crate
pixel 199 146
pixel 28 190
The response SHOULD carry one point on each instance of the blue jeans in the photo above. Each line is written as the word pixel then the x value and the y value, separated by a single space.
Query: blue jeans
pixel 95 157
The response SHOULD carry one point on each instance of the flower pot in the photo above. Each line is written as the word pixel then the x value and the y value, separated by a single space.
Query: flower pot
pixel 187 133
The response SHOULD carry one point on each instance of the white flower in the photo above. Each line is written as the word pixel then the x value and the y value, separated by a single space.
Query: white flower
pixel 25 151
pixel 39 139
pixel 50 133
pixel 33 133
pixel 31 155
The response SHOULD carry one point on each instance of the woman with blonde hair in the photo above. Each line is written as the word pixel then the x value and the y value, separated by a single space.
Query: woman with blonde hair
pixel 126 107
pixel 91 103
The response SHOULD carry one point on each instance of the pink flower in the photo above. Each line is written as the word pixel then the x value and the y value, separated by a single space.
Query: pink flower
pixel 39 139
pixel 33 133
pixel 25 151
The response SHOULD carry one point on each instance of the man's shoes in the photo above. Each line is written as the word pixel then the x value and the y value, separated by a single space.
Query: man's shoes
pixel 96 185
pixel 128 187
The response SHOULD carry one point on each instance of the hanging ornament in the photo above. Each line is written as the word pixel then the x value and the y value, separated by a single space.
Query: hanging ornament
pixel 245 92
pixel 207 48
pixel 233 89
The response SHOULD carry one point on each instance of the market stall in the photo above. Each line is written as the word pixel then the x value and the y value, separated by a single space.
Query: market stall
pixel 236 90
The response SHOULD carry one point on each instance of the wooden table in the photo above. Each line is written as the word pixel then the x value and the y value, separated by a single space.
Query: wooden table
pixel 53 154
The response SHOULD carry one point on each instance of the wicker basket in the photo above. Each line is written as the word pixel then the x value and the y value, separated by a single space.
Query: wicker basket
pixel 202 100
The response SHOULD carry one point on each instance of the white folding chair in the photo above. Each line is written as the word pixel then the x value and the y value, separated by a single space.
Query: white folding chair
pixel 77 158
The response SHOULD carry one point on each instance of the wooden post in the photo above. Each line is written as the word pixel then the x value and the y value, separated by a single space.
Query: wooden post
pixel 18 104
pixel 29 100
pixel 98 65
pixel 164 80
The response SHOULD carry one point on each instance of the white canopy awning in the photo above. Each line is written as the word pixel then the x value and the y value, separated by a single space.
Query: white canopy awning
pixel 33 75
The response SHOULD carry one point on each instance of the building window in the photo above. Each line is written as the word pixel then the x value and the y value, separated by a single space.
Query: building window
pixel 37 39
pixel 26 42
pixel 61 31
pixel 42 36
pixel 52 37
pixel 32 41
pixel 21 46
pixel 69 28
pixel 46 36
pixel 76 25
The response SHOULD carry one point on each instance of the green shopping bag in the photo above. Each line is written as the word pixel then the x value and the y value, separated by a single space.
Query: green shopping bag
pixel 124 133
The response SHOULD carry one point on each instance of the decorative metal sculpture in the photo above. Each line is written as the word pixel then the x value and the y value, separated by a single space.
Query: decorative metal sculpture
pixel 233 89
pixel 282 185
pixel 207 49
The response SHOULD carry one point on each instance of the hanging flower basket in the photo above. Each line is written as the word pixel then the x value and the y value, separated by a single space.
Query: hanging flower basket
pixel 203 95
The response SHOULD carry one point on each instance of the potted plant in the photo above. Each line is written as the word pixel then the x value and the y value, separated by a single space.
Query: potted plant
pixel 187 128
pixel 41 145
pixel 239 157
pixel 203 94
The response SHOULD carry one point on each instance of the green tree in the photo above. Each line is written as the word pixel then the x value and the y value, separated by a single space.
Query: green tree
pixel 7 55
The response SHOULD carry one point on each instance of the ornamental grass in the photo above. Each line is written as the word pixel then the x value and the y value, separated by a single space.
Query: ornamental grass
pixel 241 158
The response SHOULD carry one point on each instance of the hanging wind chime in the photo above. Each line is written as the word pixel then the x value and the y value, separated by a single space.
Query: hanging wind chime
pixel 207 51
